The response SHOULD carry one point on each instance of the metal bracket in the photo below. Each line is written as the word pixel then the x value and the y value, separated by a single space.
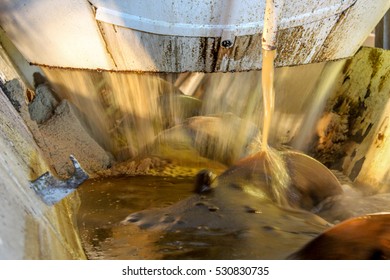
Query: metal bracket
pixel 52 190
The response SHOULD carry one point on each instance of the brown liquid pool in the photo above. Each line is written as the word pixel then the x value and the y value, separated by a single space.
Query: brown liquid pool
pixel 238 227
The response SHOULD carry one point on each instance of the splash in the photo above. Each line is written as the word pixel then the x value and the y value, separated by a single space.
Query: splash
pixel 275 165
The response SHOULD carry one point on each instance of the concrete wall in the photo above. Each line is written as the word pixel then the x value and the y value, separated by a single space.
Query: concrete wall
pixel 29 229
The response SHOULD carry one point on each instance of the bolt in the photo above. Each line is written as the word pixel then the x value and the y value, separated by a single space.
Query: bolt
pixel 227 44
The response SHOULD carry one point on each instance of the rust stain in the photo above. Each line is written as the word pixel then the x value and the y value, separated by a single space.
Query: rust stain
pixel 287 53
pixel 207 60
pixel 329 48
pixel 203 49
pixel 172 54
pixel 213 54
pixel 241 46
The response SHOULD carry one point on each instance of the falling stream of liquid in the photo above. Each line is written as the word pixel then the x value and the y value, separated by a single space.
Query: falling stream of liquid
pixel 267 75
pixel 274 163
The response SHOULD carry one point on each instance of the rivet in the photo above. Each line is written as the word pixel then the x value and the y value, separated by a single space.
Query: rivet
pixel 227 44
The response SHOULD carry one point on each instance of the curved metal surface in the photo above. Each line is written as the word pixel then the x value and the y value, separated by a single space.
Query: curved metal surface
pixel 183 35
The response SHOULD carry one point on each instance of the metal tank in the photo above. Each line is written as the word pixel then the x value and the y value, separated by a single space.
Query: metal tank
pixel 183 35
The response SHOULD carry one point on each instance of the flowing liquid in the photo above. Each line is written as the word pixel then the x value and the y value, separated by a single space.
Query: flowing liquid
pixel 270 233
pixel 124 113
pixel 277 169
pixel 255 230
pixel 267 75
pixel 106 204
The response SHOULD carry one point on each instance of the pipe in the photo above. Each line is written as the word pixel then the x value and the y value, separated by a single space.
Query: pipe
pixel 271 18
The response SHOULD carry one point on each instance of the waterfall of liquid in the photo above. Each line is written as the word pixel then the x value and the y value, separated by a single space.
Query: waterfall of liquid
pixel 125 112
pixel 122 111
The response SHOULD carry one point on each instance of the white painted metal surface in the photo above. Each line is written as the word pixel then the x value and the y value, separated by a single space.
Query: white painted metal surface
pixel 183 35
pixel 271 21
pixel 207 18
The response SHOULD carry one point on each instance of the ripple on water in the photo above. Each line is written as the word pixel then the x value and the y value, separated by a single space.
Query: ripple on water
pixel 238 229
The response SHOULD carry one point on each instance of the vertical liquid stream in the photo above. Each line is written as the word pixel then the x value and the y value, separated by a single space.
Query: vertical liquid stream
pixel 274 163
pixel 267 75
